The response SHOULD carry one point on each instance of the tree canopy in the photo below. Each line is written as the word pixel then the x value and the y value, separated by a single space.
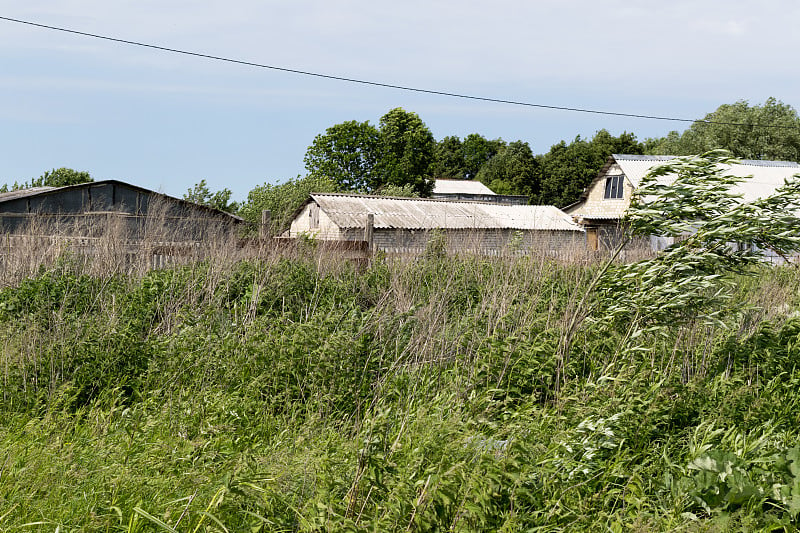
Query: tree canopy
pixel 356 156
pixel 407 151
pixel 201 194
pixel 456 159
pixel 567 169
pixel 768 131
pixel 347 154
pixel 513 170
pixel 283 199
pixel 477 151
pixel 449 159
pixel 57 177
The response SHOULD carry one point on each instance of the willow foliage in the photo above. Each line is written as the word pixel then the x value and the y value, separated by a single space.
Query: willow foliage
pixel 694 201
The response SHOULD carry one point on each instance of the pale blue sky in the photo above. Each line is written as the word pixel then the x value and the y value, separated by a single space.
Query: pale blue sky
pixel 165 121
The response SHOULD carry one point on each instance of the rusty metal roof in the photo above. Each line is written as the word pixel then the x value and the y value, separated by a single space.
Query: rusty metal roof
pixel 350 211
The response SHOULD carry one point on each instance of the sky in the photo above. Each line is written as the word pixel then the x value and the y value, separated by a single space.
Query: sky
pixel 165 121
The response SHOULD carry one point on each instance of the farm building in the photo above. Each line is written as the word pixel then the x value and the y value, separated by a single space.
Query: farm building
pixel 475 191
pixel 87 208
pixel 404 225
pixel 604 202
pixel 109 218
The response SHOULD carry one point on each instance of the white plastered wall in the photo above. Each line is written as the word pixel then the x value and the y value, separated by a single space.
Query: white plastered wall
pixel 304 223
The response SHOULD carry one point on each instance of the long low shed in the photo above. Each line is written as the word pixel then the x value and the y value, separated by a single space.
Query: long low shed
pixel 405 225
pixel 87 209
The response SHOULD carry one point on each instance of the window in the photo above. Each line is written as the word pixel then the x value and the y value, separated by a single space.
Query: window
pixel 614 186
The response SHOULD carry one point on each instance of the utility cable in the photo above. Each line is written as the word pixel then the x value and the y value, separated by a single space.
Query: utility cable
pixel 381 84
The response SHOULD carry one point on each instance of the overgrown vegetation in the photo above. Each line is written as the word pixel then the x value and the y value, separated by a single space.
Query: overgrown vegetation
pixel 282 200
pixel 305 393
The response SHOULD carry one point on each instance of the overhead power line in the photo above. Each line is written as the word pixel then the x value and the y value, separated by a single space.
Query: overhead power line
pixel 381 84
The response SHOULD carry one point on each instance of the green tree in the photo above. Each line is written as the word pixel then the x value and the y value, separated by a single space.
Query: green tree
pixel 61 177
pixel 201 194
pixel 700 209
pixel 449 159
pixel 402 191
pixel 283 199
pixel 347 154
pixel 768 131
pixel 671 144
pixel 476 151
pixel 567 169
pixel 358 157
pixel 690 281
pixel 58 177
pixel 406 151
pixel 513 170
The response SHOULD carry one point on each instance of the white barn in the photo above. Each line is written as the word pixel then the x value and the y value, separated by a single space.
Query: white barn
pixel 404 225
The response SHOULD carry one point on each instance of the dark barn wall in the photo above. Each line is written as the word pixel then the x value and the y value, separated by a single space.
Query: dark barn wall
pixel 93 208
pixel 19 205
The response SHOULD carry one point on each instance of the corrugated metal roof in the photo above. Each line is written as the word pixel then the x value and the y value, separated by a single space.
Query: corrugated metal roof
pixel 598 217
pixel 749 162
pixel 766 175
pixel 637 157
pixel 23 193
pixel 350 211
pixel 460 187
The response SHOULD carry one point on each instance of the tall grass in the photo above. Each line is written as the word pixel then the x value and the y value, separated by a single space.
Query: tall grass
pixel 273 390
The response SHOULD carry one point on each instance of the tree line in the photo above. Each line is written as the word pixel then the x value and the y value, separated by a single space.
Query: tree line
pixel 399 156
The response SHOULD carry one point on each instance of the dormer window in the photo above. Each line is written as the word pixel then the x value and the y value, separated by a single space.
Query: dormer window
pixel 614 187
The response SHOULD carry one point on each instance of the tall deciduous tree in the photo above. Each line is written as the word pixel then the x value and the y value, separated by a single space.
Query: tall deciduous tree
pixel 477 151
pixel 768 131
pixel 567 169
pixel 463 160
pixel 358 157
pixel 347 154
pixel 407 151
pixel 513 170
pixel 449 159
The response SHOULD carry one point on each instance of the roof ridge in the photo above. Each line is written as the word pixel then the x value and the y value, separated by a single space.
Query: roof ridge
pixel 642 157
pixel 406 198
pixel 768 163
pixel 749 162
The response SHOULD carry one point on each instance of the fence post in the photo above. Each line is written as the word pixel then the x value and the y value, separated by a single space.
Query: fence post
pixel 266 220
pixel 369 231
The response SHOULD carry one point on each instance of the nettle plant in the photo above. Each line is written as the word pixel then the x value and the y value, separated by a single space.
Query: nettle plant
pixel 716 233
